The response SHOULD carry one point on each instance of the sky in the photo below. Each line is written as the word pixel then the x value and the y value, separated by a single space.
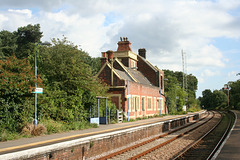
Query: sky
pixel 207 31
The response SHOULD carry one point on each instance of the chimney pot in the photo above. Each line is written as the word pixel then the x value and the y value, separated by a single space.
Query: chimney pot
pixel 110 55
pixel 104 54
pixel 124 45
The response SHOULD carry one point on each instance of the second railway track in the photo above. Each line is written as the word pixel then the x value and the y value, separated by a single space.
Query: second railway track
pixel 144 150
pixel 206 146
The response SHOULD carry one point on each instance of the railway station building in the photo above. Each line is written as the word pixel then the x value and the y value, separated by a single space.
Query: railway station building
pixel 135 85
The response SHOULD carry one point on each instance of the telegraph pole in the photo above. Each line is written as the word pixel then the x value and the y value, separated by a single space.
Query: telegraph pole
pixel 183 76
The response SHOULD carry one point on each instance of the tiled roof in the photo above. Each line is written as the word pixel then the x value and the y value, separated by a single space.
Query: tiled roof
pixel 124 75
pixel 134 73
pixel 139 76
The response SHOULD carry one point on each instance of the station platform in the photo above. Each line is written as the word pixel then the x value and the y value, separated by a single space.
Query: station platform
pixel 48 142
pixel 231 149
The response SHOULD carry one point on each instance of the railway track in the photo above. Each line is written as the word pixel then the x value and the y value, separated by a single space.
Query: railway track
pixel 207 145
pixel 147 147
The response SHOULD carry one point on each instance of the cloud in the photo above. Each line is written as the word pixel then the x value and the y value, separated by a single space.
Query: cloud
pixel 24 12
pixel 164 28
pixel 12 19
pixel 206 74
pixel 90 33
pixel 209 73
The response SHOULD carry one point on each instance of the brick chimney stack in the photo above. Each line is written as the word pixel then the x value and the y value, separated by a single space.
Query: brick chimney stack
pixel 104 58
pixel 142 52
pixel 110 55
pixel 124 44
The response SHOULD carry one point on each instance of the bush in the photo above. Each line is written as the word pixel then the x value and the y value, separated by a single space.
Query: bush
pixel 6 135
pixel 53 126
pixel 30 129
pixel 16 79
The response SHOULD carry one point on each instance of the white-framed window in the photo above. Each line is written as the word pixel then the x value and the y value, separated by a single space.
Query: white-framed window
pixel 133 63
pixel 158 103
pixel 143 103
pixel 149 103
pixel 154 103
pixel 135 103
pixel 161 82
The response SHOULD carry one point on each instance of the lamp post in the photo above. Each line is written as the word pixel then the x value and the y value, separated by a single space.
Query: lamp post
pixel 226 87
pixel 35 117
pixel 176 97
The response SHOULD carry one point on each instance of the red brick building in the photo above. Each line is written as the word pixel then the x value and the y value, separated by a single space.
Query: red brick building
pixel 136 86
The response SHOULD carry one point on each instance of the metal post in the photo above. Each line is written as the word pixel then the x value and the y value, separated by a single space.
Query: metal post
pixel 94 111
pixel 106 108
pixel 226 87
pixel 90 112
pixel 35 117
pixel 128 99
pixel 109 115
pixel 98 107
pixel 175 98
pixel 160 103
pixel 228 96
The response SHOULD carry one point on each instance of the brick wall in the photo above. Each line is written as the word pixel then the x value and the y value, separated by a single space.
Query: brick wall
pixel 148 72
pixel 145 91
pixel 105 75
pixel 90 147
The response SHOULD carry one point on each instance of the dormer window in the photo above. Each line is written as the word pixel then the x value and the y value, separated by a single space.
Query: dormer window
pixel 133 63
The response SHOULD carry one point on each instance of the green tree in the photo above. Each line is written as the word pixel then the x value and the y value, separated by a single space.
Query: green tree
pixel 71 87
pixel 192 85
pixel 234 94
pixel 16 81
pixel 174 85
pixel 213 100
pixel 170 88
pixel 7 44
pixel 206 100
pixel 219 99
pixel 27 37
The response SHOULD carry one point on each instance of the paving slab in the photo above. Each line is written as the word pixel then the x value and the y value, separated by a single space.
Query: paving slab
pixel 26 143
pixel 231 149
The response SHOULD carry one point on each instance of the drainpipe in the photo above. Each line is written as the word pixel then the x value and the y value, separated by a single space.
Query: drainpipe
pixel 112 72
pixel 110 58
pixel 160 103
pixel 128 99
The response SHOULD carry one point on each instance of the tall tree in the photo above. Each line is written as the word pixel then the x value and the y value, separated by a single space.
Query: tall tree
pixel 219 99
pixel 173 88
pixel 7 44
pixel 16 80
pixel 234 94
pixel 206 100
pixel 27 36
pixel 71 87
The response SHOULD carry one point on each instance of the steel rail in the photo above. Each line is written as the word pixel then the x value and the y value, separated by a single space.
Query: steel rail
pixel 171 140
pixel 198 141
pixel 222 138
pixel 148 141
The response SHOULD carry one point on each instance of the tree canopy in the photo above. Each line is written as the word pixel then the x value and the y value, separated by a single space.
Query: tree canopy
pixel 65 72
pixel 234 94
pixel 176 95
pixel 213 100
